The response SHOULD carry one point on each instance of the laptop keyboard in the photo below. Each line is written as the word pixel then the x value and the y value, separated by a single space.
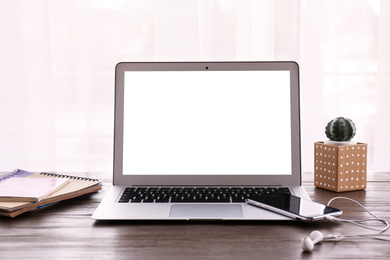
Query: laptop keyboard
pixel 195 194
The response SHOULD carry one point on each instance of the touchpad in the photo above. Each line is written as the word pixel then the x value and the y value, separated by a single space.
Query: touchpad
pixel 205 211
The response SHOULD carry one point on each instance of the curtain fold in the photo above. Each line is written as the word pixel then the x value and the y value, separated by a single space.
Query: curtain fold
pixel 382 109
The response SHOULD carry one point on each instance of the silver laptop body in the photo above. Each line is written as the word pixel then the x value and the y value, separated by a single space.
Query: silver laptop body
pixel 203 125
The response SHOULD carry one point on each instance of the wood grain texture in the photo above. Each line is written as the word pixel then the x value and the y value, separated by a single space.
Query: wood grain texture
pixel 66 231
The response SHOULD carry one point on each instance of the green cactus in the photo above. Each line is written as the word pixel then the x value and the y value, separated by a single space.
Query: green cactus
pixel 340 129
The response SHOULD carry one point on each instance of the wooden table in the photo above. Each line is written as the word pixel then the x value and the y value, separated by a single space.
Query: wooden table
pixel 66 231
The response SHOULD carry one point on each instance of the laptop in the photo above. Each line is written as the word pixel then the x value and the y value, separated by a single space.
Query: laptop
pixel 193 140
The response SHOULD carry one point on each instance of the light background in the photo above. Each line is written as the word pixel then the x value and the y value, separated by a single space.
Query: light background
pixel 57 62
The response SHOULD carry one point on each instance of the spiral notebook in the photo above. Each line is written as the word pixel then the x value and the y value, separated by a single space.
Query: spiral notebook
pixel 76 186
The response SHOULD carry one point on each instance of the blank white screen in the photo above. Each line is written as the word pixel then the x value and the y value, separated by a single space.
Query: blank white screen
pixel 207 122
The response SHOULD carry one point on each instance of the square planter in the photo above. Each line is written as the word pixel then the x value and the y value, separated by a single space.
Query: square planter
pixel 340 168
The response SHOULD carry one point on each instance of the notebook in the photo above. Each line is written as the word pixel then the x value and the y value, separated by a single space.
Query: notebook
pixel 75 187
pixel 29 189
pixel 184 128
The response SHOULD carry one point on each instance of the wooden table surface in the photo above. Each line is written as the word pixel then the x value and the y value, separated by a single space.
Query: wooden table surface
pixel 66 231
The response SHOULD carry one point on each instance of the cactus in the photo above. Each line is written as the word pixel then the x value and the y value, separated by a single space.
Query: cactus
pixel 340 129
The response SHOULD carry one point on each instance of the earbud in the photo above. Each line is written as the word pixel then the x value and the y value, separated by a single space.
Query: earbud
pixel 315 237
pixel 309 242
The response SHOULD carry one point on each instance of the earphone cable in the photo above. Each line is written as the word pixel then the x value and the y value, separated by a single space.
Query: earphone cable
pixel 357 222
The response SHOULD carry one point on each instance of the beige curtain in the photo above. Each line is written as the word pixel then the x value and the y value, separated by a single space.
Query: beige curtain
pixel 57 62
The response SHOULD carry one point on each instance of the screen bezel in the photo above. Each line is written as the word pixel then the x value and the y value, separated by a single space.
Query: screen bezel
pixel 293 179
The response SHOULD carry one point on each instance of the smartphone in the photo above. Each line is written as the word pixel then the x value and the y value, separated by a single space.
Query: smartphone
pixel 293 206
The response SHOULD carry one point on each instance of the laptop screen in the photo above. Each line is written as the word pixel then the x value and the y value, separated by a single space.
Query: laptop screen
pixel 185 122
pixel 214 122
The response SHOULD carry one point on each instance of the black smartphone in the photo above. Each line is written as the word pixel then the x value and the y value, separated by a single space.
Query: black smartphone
pixel 293 206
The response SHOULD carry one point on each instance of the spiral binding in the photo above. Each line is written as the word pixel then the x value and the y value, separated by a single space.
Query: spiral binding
pixel 56 175
pixel 9 175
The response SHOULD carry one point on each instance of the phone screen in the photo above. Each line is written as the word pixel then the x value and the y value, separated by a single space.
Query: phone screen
pixel 295 206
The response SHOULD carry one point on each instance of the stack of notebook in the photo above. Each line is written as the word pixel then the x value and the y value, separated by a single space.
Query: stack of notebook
pixel 37 194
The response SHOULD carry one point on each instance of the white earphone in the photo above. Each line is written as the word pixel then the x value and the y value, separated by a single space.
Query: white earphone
pixel 309 242
pixel 316 236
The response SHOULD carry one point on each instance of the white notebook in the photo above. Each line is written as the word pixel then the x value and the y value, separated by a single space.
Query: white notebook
pixel 29 189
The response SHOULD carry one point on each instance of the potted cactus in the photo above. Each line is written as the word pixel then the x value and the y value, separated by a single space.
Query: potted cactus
pixel 340 164
pixel 340 131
